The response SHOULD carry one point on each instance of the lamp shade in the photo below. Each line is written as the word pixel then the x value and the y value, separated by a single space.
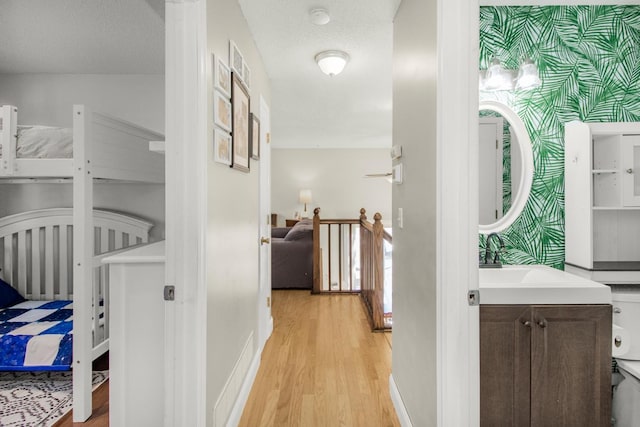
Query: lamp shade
pixel 305 196
pixel 497 77
pixel 332 62
pixel 528 77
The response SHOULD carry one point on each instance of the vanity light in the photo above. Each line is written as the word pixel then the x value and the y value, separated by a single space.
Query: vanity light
pixel 496 77
pixel 332 62
pixel 528 77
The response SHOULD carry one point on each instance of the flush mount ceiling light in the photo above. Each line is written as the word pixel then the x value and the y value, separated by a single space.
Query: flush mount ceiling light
pixel 332 62
pixel 496 77
pixel 319 16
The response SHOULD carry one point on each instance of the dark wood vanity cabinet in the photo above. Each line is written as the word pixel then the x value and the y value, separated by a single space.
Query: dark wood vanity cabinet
pixel 545 365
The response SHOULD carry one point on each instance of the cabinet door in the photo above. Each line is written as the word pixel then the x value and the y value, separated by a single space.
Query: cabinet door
pixel 630 162
pixel 505 340
pixel 571 366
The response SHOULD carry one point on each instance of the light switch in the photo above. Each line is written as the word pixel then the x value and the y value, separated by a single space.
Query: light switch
pixel 400 218
pixel 397 173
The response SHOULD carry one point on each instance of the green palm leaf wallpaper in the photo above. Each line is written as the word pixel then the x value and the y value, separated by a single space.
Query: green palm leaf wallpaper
pixel 589 63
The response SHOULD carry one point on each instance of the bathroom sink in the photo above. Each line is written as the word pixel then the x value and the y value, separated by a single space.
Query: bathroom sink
pixel 538 284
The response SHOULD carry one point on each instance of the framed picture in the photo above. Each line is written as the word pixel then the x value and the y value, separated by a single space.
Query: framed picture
pixel 246 75
pixel 254 135
pixel 222 111
pixel 221 147
pixel 221 76
pixel 240 121
pixel 236 60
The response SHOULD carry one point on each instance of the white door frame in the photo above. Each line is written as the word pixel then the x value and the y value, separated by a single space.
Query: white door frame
pixel 458 349
pixel 186 212
pixel 265 321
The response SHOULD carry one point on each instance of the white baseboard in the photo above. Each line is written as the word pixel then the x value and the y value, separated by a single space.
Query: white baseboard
pixel 398 404
pixel 243 395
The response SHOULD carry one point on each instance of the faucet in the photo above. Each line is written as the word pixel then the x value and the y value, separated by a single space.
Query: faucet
pixel 488 262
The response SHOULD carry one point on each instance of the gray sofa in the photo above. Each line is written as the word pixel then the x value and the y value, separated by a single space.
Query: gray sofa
pixel 292 256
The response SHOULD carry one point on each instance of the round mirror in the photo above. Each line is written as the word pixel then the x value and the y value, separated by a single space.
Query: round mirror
pixel 506 166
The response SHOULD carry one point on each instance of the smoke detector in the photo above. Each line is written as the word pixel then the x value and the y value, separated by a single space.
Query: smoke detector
pixel 319 16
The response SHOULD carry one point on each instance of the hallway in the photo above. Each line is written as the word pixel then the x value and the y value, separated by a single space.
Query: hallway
pixel 322 366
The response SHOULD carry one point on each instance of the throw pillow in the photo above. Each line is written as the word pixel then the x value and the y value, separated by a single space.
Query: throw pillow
pixel 8 295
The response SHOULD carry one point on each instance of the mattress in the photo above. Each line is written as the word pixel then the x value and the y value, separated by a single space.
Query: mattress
pixel 44 142
pixel 36 336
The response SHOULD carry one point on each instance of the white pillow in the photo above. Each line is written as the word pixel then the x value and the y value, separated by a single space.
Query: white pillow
pixel 45 142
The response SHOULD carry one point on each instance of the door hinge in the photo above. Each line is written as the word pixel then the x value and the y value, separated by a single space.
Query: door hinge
pixel 169 293
pixel 473 297
pixel 268 301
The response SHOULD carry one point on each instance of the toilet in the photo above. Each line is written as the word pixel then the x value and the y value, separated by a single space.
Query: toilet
pixel 626 395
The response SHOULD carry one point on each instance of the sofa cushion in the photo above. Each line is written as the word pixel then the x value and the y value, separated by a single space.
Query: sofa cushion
pixel 301 231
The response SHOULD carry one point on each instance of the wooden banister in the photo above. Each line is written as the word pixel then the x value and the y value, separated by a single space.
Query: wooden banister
pixel 370 284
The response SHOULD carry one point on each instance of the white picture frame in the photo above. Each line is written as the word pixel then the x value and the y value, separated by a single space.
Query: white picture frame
pixel 236 60
pixel 222 147
pixel 222 111
pixel 221 76
pixel 246 75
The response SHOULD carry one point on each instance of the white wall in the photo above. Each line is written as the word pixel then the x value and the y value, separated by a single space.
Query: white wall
pixel 336 180
pixel 48 99
pixel 232 257
pixel 414 364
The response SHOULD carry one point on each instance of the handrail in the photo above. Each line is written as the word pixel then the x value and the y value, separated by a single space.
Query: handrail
pixel 367 277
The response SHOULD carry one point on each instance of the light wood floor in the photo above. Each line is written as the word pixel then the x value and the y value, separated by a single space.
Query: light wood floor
pixel 322 366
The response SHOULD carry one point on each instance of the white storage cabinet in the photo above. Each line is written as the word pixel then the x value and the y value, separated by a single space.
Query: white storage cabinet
pixel 602 201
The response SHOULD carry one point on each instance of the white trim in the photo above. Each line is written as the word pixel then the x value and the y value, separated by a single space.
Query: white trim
pixel 458 352
pixel 398 404
pixel 186 212
pixel 245 390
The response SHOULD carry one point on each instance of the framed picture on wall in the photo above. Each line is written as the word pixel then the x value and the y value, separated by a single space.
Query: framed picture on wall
pixel 221 146
pixel 236 60
pixel 221 111
pixel 240 124
pixel 221 76
pixel 246 75
pixel 254 135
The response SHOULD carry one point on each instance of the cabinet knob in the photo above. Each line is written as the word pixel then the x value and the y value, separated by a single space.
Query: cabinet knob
pixel 526 323
pixel 542 323
pixel 629 170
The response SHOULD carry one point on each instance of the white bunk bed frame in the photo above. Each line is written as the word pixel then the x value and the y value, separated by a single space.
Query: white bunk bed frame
pixel 104 148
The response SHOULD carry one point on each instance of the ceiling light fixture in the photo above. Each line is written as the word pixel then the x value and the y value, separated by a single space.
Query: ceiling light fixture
pixel 319 16
pixel 332 62
pixel 496 77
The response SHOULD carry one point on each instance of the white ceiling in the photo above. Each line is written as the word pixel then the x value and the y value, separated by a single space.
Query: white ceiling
pixel 308 108
pixel 82 36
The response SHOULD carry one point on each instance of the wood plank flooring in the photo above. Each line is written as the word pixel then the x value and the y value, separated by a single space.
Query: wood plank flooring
pixel 322 366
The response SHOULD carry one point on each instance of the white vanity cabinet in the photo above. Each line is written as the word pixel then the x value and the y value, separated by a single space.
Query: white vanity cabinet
pixel 602 201
pixel 136 343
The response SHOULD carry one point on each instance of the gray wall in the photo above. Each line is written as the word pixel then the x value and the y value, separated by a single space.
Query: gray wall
pixel 336 180
pixel 233 225
pixel 47 99
pixel 414 260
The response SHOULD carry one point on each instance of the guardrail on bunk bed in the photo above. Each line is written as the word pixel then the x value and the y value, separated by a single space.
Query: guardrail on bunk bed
pixel 354 256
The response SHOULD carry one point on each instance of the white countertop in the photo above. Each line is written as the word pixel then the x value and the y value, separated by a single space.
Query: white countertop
pixel 538 284
pixel 151 253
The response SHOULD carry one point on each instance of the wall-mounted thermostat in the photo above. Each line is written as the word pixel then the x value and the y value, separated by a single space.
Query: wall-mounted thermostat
pixel 397 173
pixel 396 152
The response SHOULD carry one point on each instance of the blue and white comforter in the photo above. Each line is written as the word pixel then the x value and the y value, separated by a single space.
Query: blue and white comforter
pixel 36 336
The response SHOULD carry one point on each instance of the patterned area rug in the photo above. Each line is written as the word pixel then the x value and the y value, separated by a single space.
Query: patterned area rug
pixel 38 398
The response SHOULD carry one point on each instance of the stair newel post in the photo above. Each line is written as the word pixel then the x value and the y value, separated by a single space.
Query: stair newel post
pixel 378 266
pixel 317 255
pixel 364 251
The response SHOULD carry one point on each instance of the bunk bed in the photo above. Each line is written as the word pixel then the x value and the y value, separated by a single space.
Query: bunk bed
pixel 101 148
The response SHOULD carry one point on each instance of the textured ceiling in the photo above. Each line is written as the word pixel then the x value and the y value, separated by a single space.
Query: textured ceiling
pixel 82 36
pixel 309 108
